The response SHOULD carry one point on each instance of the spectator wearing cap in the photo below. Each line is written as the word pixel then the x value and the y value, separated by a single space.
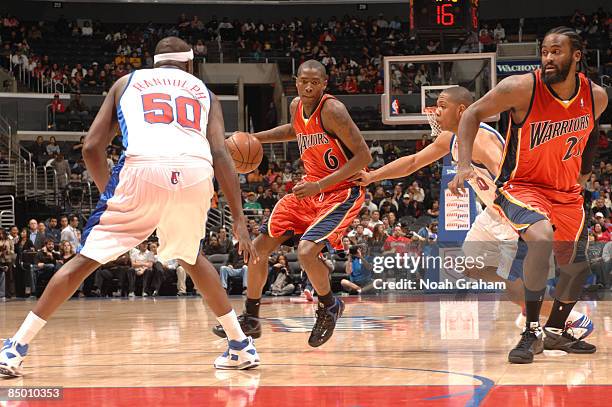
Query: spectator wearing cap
pixel 251 202
pixel 603 221
pixel 404 206
pixel 600 206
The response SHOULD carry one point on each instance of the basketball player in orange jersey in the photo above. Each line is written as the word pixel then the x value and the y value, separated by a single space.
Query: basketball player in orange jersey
pixel 548 154
pixel 321 206
pixel 490 237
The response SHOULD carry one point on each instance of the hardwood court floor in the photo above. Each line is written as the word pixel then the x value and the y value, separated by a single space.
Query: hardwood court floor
pixel 386 351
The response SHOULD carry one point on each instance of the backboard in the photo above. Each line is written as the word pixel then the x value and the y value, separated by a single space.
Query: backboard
pixel 413 82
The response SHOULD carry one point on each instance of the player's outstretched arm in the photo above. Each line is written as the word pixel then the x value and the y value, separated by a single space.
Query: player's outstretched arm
pixel 512 93
pixel 280 133
pixel 404 166
pixel 100 134
pixel 600 98
pixel 225 172
pixel 339 123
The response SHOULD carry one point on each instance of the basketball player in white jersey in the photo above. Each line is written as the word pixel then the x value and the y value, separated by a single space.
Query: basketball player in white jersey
pixel 490 235
pixel 172 126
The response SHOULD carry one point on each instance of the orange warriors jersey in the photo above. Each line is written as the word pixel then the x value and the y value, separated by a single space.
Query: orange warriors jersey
pixel 546 149
pixel 321 152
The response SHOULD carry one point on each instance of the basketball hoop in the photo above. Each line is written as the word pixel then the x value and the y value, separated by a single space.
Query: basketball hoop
pixel 430 112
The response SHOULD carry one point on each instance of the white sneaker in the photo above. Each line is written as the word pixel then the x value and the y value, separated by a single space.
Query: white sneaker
pixel 11 358
pixel 239 355
pixel 131 294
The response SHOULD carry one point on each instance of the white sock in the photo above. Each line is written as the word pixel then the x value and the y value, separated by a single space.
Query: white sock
pixel 574 316
pixel 231 326
pixel 29 329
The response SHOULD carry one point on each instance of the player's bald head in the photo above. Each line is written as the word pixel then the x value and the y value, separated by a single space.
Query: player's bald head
pixel 171 44
pixel 312 64
pixel 459 95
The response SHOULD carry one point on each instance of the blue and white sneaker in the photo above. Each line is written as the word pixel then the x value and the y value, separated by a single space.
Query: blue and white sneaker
pixel 238 356
pixel 580 324
pixel 11 358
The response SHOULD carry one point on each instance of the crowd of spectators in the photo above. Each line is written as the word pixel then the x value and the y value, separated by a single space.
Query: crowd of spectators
pixel 398 216
pixel 351 48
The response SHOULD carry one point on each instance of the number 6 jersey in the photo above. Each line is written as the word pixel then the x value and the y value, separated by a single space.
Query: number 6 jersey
pixel 322 152
pixel 163 114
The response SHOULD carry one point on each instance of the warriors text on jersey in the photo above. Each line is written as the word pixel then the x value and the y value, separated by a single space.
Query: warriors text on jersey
pixel 545 150
pixel 483 184
pixel 321 152
pixel 163 113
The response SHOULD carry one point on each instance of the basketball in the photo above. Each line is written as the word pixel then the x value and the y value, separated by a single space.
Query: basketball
pixel 246 151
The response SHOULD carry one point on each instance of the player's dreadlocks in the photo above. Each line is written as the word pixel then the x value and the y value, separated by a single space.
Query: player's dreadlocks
pixel 576 43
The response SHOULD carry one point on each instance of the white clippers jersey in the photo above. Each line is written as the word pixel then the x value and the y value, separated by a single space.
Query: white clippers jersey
pixel 484 184
pixel 163 114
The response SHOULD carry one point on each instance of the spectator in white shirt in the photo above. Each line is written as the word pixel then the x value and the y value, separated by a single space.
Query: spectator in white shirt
pixel 499 34
pixel 416 192
pixel 367 203
pixel 142 262
pixel 71 233
pixel 360 235
pixel 374 220
pixel 87 30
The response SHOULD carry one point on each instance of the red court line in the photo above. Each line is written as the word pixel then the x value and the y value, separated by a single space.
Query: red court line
pixel 363 396
pixel 551 395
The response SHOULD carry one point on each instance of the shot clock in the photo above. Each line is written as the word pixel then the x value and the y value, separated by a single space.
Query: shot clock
pixel 443 15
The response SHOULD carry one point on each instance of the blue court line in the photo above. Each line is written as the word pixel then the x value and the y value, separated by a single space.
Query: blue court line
pixel 479 393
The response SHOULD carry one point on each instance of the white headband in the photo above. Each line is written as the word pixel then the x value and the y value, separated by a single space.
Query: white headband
pixel 174 56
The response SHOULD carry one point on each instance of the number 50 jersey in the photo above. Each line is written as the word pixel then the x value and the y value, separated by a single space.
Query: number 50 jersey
pixel 163 113
pixel 322 153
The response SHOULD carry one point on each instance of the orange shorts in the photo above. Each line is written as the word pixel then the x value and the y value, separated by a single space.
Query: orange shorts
pixel 524 205
pixel 319 218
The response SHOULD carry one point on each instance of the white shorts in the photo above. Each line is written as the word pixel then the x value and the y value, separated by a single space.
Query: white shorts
pixel 141 197
pixel 497 242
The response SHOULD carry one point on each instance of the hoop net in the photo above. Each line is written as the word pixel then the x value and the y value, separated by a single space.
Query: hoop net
pixel 431 118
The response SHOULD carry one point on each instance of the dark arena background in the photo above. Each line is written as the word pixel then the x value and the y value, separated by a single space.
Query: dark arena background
pixel 416 330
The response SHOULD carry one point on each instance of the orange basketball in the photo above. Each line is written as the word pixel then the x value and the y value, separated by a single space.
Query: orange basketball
pixel 246 151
